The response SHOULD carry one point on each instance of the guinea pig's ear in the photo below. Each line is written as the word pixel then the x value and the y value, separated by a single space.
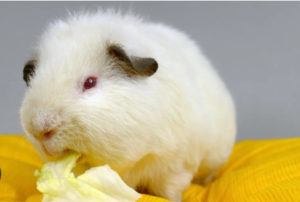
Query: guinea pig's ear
pixel 28 71
pixel 132 65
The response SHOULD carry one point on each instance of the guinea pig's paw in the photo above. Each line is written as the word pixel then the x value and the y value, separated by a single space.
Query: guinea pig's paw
pixel 173 185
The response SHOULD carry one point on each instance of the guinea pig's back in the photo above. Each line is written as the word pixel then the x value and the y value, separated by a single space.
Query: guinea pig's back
pixel 186 71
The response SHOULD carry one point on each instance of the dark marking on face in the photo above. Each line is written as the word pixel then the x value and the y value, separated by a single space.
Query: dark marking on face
pixel 132 65
pixel 28 71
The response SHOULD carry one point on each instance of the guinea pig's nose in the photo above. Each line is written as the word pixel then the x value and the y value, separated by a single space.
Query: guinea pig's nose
pixel 48 135
pixel 44 125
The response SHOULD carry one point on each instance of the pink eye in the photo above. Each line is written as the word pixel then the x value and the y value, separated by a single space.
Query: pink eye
pixel 90 82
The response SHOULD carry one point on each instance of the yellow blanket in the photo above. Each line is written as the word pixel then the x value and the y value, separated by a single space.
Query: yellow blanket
pixel 257 171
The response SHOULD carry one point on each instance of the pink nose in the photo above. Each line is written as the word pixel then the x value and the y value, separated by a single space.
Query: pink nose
pixel 48 135
pixel 47 145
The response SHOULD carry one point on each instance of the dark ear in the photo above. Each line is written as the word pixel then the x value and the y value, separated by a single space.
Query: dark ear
pixel 133 65
pixel 28 71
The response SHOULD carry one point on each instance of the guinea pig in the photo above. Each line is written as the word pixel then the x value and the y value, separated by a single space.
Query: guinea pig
pixel 138 96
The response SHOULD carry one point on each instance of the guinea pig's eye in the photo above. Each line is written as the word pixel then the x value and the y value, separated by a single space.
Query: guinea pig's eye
pixel 90 82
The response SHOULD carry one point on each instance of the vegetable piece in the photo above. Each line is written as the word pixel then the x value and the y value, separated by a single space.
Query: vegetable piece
pixel 98 184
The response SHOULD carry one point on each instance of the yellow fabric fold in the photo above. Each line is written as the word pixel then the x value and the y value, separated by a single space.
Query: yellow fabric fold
pixel 257 171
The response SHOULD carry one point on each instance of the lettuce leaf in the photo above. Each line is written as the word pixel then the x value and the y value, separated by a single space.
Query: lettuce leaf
pixel 98 184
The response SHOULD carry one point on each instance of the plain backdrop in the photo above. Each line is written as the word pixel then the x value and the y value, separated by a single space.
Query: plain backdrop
pixel 255 46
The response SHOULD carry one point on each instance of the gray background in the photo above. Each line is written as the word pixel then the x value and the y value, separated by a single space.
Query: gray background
pixel 254 45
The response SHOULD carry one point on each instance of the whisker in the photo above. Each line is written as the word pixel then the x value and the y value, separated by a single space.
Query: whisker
pixel 11 81
pixel 12 113
pixel 19 147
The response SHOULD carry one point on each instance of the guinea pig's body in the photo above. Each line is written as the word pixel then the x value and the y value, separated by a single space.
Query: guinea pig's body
pixel 155 129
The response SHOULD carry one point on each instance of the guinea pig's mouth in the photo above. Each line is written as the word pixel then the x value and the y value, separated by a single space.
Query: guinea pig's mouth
pixel 80 159
pixel 50 152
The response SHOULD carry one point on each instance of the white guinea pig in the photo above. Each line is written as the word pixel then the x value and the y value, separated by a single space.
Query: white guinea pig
pixel 136 95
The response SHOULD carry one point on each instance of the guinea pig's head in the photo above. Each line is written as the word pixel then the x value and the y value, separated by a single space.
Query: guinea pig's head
pixel 86 93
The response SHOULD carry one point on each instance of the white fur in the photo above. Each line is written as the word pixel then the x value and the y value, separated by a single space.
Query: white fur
pixel 154 131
